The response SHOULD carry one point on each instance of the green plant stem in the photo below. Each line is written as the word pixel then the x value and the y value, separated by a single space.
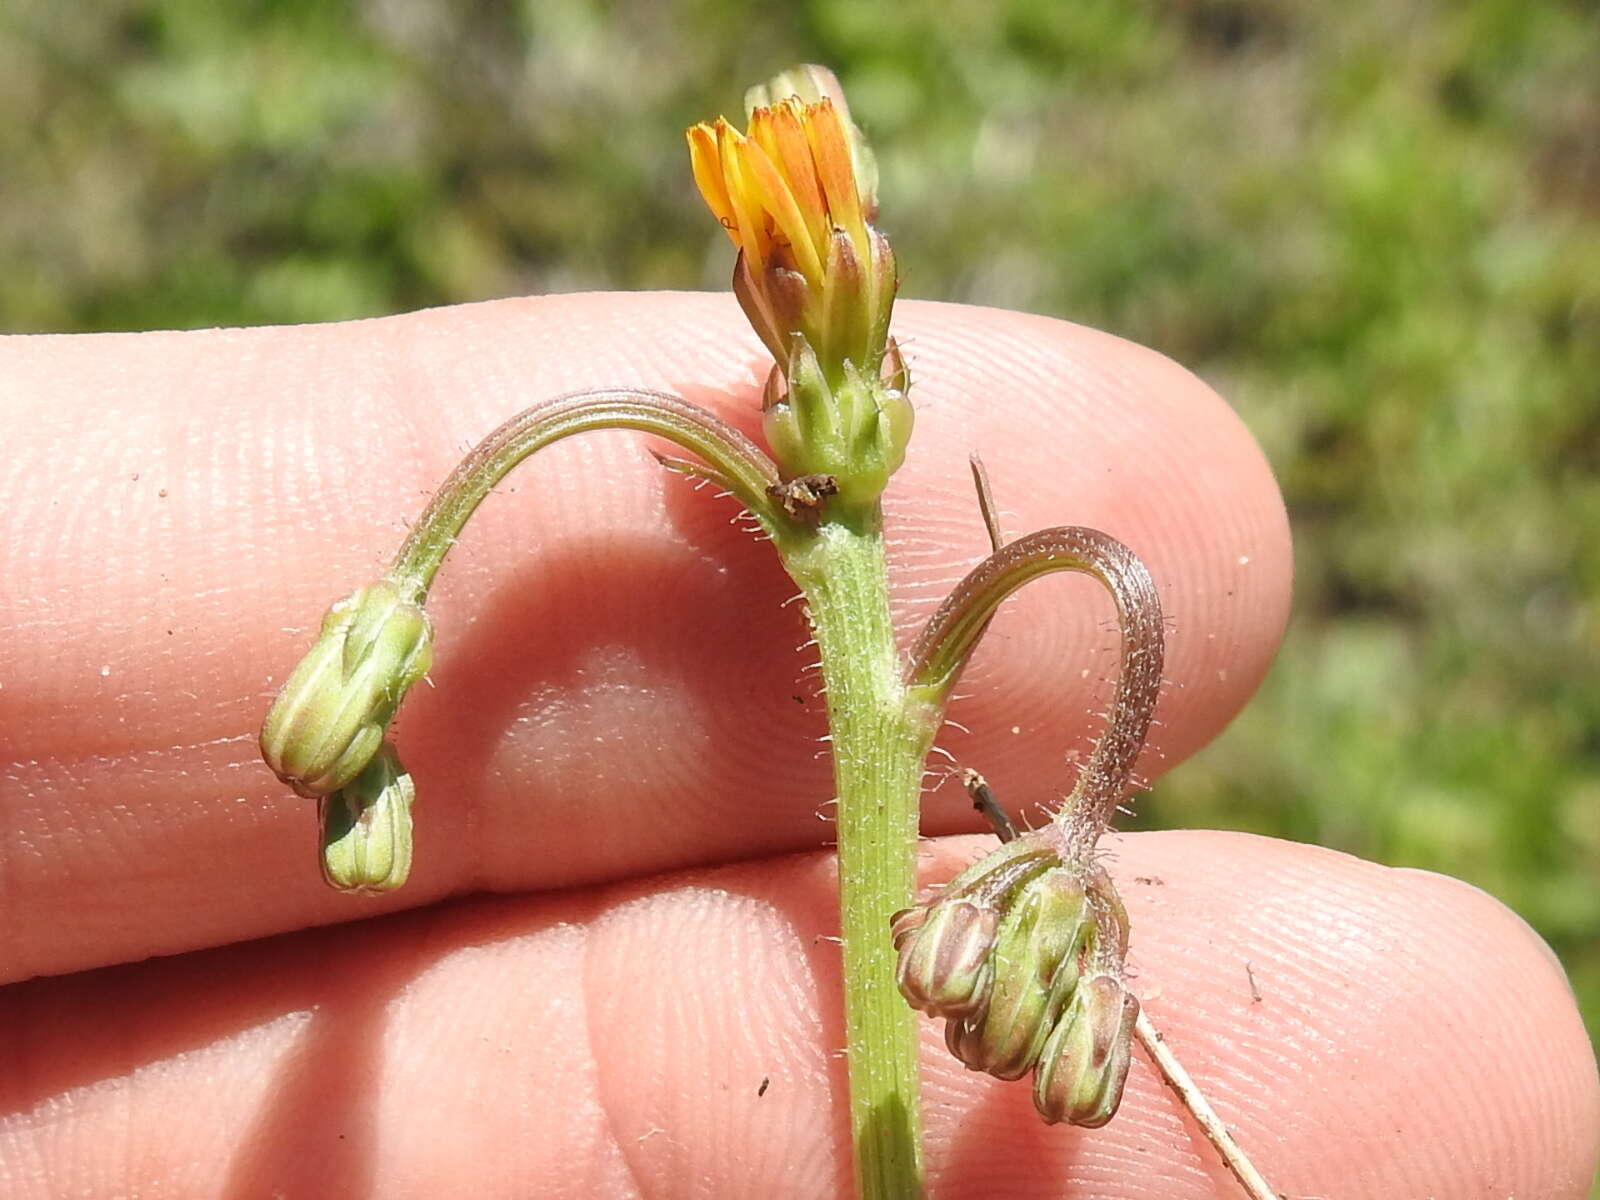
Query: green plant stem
pixel 880 732
pixel 733 460
pixel 879 742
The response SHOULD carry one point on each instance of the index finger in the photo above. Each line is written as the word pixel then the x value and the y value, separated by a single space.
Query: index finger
pixel 618 687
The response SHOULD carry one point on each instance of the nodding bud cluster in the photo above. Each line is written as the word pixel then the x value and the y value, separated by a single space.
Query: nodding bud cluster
pixel 366 828
pixel 797 195
pixel 1021 954
pixel 331 716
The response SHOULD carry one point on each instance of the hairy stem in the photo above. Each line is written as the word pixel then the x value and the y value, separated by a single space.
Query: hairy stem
pixel 734 461
pixel 879 742
pixel 953 631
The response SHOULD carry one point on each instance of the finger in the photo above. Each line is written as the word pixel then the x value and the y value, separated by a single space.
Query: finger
pixel 179 509
pixel 1404 1036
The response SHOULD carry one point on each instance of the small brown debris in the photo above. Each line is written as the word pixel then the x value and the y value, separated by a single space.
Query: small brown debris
pixel 803 495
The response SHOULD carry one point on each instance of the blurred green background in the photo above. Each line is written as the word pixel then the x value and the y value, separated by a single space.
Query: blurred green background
pixel 1373 225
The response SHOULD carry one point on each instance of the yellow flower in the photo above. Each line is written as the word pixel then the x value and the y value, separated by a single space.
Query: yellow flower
pixel 797 196
pixel 781 191
pixel 791 198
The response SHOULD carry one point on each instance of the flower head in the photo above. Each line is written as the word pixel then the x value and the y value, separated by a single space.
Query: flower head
pixel 1021 954
pixel 796 195
pixel 781 190
pixel 810 263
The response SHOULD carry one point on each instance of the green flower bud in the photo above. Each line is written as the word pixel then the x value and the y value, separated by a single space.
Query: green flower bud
pixel 366 828
pixel 854 430
pixel 1084 1063
pixel 332 714
pixel 944 944
pixel 1035 966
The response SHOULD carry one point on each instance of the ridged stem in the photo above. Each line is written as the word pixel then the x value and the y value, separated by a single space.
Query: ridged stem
pixel 879 741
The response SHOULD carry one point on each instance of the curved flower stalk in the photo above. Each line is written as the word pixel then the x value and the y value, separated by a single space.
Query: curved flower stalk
pixel 951 634
pixel 325 733
pixel 725 455
pixel 1022 953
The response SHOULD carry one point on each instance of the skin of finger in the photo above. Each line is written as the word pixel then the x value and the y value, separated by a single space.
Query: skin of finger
pixel 1365 1033
pixel 179 509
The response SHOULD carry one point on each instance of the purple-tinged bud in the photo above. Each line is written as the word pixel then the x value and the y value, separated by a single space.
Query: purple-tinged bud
pixel 896 375
pixel 332 714
pixel 944 957
pixel 1034 965
pixel 1084 1063
pixel 999 952
pixel 944 943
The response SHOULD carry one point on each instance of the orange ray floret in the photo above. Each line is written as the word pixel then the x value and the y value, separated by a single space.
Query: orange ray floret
pixel 782 190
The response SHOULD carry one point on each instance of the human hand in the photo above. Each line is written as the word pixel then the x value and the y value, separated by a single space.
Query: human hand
pixel 617 698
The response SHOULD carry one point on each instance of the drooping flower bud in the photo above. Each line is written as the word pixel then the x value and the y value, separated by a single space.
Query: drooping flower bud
pixel 331 716
pixel 1035 967
pixel 1022 955
pixel 366 827
pixel 944 955
pixel 997 954
pixel 945 943
pixel 1084 1063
